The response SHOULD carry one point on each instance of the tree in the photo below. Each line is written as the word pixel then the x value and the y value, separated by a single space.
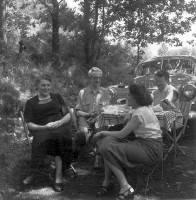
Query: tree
pixel 137 22
pixel 163 51
pixel 53 7
pixel 3 24
pixel 150 21
pixel 94 23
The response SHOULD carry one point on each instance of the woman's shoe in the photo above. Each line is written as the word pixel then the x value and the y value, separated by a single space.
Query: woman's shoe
pixel 28 180
pixel 104 190
pixel 127 194
pixel 26 183
pixel 58 187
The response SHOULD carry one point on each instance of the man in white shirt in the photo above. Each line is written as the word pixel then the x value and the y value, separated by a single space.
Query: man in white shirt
pixel 90 101
pixel 166 95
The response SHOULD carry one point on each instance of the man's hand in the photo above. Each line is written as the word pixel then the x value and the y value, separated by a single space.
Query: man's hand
pixel 166 104
pixel 98 136
pixel 53 125
pixel 94 114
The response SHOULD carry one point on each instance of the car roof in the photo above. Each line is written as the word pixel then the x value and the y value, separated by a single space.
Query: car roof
pixel 186 57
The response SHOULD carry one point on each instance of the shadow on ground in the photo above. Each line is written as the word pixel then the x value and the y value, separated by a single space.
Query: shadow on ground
pixel 179 179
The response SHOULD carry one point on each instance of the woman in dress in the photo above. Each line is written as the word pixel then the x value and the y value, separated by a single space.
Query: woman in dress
pixel 47 116
pixel 119 152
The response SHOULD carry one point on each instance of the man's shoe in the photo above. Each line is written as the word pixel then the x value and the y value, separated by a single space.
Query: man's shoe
pixel 58 187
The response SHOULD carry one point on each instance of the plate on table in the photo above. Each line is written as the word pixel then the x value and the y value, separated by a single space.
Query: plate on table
pixel 115 109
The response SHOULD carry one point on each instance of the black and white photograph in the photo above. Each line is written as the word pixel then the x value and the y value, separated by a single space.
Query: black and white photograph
pixel 97 99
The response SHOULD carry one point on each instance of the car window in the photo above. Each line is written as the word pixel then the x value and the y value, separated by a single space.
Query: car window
pixel 166 65
pixel 187 67
pixel 180 65
pixel 140 68
pixel 148 68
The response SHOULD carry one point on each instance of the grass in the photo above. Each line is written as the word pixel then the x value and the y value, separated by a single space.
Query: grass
pixel 179 180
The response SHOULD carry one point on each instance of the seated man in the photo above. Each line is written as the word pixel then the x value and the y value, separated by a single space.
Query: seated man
pixel 166 95
pixel 90 101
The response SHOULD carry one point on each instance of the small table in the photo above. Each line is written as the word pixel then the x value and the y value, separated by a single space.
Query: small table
pixel 166 119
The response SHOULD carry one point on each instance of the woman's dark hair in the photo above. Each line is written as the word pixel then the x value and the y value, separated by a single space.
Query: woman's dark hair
pixel 42 77
pixel 162 73
pixel 140 94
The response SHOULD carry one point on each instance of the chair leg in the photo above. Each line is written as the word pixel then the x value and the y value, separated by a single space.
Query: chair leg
pixel 148 177
pixel 177 146
pixel 162 169
pixel 73 169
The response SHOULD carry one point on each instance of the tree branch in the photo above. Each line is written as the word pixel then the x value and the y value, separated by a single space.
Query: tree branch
pixel 63 7
pixel 46 5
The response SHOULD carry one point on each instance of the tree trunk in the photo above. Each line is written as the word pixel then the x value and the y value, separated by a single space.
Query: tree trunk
pixel 87 33
pixel 101 37
pixel 3 24
pixel 94 35
pixel 55 32
pixel 138 52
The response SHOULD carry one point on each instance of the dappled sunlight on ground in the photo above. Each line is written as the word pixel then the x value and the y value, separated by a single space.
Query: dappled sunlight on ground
pixel 179 179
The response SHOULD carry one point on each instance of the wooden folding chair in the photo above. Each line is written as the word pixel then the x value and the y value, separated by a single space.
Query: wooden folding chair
pixel 90 143
pixel 26 131
pixel 146 176
pixel 176 134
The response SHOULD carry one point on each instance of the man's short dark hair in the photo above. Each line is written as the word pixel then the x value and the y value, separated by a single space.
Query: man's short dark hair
pixel 162 73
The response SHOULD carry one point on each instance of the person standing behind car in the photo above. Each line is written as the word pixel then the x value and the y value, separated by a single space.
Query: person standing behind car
pixel 90 101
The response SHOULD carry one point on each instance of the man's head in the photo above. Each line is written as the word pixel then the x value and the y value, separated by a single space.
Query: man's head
pixel 95 75
pixel 161 78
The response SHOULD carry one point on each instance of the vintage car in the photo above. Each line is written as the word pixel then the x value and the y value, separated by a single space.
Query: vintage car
pixel 182 70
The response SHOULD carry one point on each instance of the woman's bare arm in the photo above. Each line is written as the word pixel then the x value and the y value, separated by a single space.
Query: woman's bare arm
pixel 132 125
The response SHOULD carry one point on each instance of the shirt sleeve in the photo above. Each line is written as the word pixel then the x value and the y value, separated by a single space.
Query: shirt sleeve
pixel 138 116
pixel 79 101
pixel 29 112
pixel 170 94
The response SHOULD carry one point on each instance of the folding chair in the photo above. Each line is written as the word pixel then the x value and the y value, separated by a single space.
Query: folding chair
pixel 89 143
pixel 145 175
pixel 185 107
pixel 29 137
pixel 26 131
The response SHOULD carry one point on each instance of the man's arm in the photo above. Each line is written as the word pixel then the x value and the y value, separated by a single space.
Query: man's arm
pixel 79 107
pixel 171 98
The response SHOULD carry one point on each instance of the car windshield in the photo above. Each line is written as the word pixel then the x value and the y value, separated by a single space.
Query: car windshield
pixel 173 65
pixel 148 68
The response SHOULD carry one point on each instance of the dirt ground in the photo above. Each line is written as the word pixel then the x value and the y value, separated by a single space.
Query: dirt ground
pixel 179 178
